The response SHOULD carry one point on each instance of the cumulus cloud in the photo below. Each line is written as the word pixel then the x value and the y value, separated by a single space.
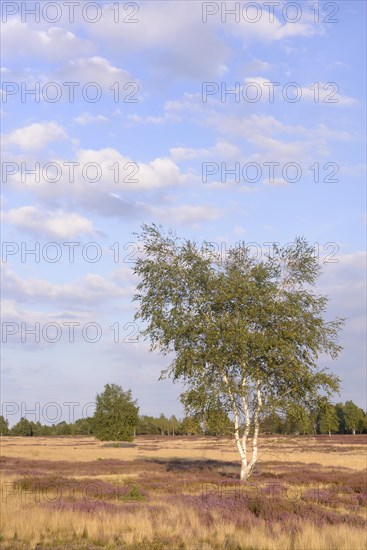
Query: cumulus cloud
pixel 103 180
pixel 278 141
pixel 90 290
pixel 12 311
pixel 222 150
pixel 171 36
pixel 53 44
pixel 87 118
pixel 35 136
pixel 320 92
pixel 54 224
pixel 268 29
pixel 93 69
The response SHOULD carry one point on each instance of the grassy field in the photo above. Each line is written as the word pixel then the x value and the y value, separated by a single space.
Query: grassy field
pixel 183 493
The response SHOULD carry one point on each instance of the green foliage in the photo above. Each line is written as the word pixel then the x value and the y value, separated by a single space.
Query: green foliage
pixel 82 426
pixel 63 428
pixel 273 423
pixel 22 428
pixel 191 425
pixel 134 494
pixel 116 415
pixel 327 418
pixel 299 419
pixel 353 417
pixel 237 324
pixel 147 425
pixel 340 413
pixel 210 413
pixel 4 426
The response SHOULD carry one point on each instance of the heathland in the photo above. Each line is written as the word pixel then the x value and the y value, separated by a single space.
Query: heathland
pixel 307 492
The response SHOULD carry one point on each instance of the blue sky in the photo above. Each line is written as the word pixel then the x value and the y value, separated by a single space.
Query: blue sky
pixel 150 117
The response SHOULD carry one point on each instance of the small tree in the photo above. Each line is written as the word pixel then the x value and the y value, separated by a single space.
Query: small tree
pixel 340 413
pixel 299 419
pixel 217 422
pixel 327 418
pixel 116 414
pixel 244 331
pixel 148 425
pixel 174 424
pixel 163 424
pixel 273 424
pixel 82 426
pixel 362 425
pixel 22 428
pixel 353 415
pixel 191 425
pixel 4 426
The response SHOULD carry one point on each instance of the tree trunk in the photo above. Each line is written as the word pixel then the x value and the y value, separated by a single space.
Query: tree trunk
pixel 353 432
pixel 244 471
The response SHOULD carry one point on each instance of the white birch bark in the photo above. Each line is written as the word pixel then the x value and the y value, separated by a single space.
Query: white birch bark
pixel 246 466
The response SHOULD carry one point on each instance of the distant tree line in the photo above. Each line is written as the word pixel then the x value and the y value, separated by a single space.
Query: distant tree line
pixel 320 418
pixel 323 418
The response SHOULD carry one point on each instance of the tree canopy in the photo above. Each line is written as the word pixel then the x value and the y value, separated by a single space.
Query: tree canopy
pixel 243 331
pixel 116 414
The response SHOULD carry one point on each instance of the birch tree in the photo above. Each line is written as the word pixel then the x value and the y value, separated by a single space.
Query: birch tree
pixel 240 330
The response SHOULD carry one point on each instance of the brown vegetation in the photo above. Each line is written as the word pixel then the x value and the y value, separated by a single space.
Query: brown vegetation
pixel 183 493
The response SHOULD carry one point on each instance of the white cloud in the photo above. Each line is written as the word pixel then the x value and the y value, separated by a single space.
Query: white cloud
pixel 54 224
pixel 114 173
pixel 239 231
pixel 35 136
pixel 92 289
pixel 87 118
pixel 103 181
pixel 222 150
pixel 172 37
pixel 53 44
pixel 187 214
pixel 94 69
pixel 327 94
pixel 257 65
pixel 12 311
pixel 270 137
pixel 267 30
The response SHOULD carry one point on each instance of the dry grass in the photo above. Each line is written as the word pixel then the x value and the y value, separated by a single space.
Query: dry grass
pixel 304 449
pixel 307 493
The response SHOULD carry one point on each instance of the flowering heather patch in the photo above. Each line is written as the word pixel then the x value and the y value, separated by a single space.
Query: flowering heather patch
pixel 163 502
pixel 244 510
pixel 25 466
pixel 295 472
